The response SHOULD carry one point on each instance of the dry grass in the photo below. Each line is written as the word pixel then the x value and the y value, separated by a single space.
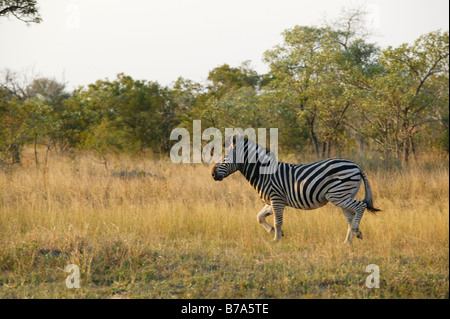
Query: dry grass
pixel 179 234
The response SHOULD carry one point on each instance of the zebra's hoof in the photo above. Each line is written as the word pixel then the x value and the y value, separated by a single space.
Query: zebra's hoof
pixel 359 235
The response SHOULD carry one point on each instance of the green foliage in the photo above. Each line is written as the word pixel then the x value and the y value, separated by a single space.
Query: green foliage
pixel 225 78
pixel 311 71
pixel 233 98
pixel 444 140
pixel 409 94
pixel 328 91
pixel 123 114
pixel 20 122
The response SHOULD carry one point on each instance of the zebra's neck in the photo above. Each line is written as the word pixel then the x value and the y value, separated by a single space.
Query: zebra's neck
pixel 251 171
pixel 257 166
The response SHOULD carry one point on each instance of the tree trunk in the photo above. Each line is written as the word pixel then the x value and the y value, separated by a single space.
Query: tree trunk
pixel 314 141
pixel 35 152
pixel 329 149
pixel 413 148
pixel 15 154
pixel 406 138
pixel 324 149
pixel 406 150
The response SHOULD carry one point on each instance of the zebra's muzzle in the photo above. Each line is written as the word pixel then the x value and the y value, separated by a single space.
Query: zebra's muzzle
pixel 215 175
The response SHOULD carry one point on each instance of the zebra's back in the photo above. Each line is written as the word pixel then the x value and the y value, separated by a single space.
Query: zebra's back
pixel 312 185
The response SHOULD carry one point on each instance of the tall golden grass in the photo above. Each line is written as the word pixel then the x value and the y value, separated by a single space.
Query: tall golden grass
pixel 179 234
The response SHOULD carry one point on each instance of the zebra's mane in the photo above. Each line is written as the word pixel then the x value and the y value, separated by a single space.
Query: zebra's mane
pixel 249 144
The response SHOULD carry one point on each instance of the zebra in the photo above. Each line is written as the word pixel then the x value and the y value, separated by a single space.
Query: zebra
pixel 302 186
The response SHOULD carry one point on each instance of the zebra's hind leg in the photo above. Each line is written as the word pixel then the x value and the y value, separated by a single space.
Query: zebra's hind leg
pixel 357 220
pixel 261 217
pixel 355 206
pixel 349 215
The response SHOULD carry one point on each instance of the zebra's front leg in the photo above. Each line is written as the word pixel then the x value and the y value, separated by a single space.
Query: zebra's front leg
pixel 277 209
pixel 261 217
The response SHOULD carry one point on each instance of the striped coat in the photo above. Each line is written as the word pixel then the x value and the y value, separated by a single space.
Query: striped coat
pixel 302 186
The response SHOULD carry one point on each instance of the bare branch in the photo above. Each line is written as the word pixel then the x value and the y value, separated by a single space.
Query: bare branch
pixel 23 10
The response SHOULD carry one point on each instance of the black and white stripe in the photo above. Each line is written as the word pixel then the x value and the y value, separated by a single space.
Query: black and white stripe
pixel 302 186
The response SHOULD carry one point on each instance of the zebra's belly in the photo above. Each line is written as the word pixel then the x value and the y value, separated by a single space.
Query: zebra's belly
pixel 308 206
pixel 297 200
pixel 300 202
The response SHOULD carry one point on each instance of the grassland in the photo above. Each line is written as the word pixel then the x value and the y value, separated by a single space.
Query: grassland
pixel 178 234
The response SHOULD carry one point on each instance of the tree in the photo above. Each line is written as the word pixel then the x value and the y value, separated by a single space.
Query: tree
pixel 408 94
pixel 13 114
pixel 29 112
pixel 24 10
pixel 124 114
pixel 306 75
pixel 225 78
pixel 231 98
pixel 319 73
pixel 20 123
pixel 49 90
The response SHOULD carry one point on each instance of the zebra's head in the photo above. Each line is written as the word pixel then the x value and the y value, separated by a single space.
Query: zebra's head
pixel 228 164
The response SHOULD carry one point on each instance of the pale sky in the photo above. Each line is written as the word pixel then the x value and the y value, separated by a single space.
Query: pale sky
pixel 81 41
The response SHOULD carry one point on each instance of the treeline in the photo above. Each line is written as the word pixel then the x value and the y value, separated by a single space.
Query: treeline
pixel 328 91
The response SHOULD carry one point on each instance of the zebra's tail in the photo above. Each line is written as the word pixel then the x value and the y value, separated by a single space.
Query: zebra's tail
pixel 368 199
